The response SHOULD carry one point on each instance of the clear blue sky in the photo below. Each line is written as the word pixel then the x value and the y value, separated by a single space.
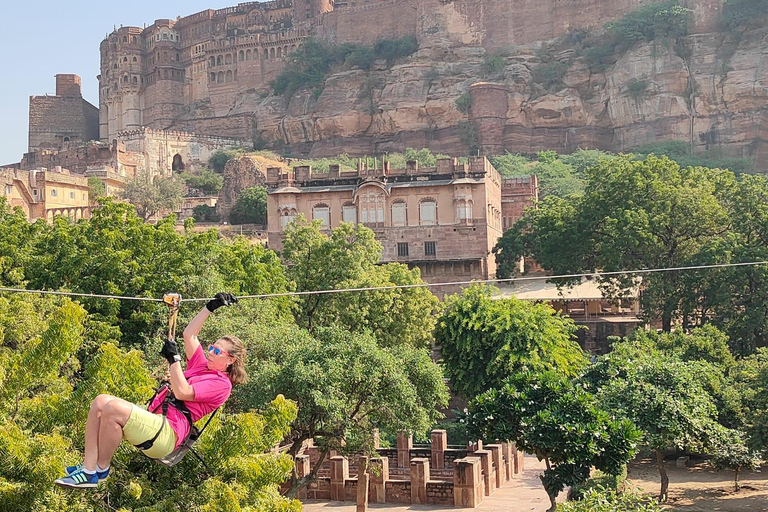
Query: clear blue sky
pixel 43 38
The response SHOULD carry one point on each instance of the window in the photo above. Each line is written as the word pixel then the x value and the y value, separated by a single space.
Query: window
pixel 428 212
pixel 464 211
pixel 323 213
pixel 54 192
pixel 34 192
pixel 71 195
pixel 398 214
pixel 286 217
pixel 8 190
pixel 429 249
pixel 372 207
pixel 402 249
pixel 85 196
pixel 349 213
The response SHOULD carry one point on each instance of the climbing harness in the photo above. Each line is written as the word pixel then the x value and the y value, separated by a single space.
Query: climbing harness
pixel 173 300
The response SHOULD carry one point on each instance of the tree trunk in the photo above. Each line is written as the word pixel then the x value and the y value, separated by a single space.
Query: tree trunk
pixel 298 484
pixel 736 486
pixel 663 474
pixel 552 504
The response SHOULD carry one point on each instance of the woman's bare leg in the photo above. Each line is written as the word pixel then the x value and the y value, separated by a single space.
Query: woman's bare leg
pixel 114 416
pixel 92 427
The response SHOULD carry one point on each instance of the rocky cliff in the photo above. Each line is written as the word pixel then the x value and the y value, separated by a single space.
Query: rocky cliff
pixel 709 89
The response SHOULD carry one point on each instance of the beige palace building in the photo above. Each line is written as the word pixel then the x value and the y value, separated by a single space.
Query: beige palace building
pixel 46 193
pixel 443 219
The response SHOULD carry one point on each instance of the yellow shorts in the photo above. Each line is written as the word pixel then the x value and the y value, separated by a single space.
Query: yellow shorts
pixel 142 426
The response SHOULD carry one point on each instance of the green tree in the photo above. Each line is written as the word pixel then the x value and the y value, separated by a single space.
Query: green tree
pixel 151 194
pixel 218 160
pixel 96 189
pixel 17 237
pixel 250 207
pixel 731 452
pixel 483 341
pixel 512 165
pixel 345 385
pixel 204 181
pixel 547 415
pixel 600 500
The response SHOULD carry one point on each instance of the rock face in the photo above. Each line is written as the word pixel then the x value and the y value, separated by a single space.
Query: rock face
pixel 240 173
pixel 708 89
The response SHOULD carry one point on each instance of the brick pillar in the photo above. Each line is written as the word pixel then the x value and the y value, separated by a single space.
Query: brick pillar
pixel 419 478
pixel 362 485
pixel 509 465
pixel 301 468
pixel 497 459
pixel 486 464
pixel 439 445
pixel 479 444
pixel 467 482
pixel 339 475
pixel 404 446
pixel 518 458
pixel 379 476
pixel 376 439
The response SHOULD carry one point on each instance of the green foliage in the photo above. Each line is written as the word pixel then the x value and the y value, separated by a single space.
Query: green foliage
pixel 205 213
pixel 218 160
pixel 651 22
pixel 484 340
pixel 17 237
pixel 464 103
pixel 547 415
pixel 469 136
pixel 250 207
pixel 204 181
pixel 151 195
pixel 744 14
pixel 608 500
pixel 550 74
pixel 345 385
pixel 636 88
pixel 493 64
pixel 96 188
pixel 731 452
pixel 512 165
pixel 308 66
pixel 680 152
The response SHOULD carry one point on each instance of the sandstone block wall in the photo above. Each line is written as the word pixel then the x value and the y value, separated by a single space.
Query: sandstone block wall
pixel 66 117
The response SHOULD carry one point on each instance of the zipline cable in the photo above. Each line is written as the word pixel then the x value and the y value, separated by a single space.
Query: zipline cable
pixel 406 286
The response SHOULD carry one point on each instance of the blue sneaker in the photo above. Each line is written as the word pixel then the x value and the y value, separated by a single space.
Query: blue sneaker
pixel 72 469
pixel 78 479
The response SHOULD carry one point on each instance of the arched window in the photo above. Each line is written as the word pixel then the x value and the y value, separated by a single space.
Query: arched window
pixel 228 77
pixel 266 53
pixel 125 79
pixel 135 59
pixel 125 39
pixel 428 212
pixel 165 56
pixel 211 62
pixel 178 163
pixel 323 213
pixel 349 213
pixel 114 66
pixel 372 207
pixel 248 55
pixel 271 53
pixel 135 80
pixel 218 60
pixel 286 217
pixel 165 74
pixel 213 77
pixel 220 77
pixel 279 52
pixel 241 56
pixel 464 211
pixel 228 58
pixel 399 217
pixel 125 59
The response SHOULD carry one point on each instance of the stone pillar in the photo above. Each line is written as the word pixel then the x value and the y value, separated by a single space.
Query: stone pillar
pixel 404 446
pixel 509 465
pixel 496 458
pixel 376 439
pixel 489 476
pixel 518 456
pixel 379 476
pixel 339 475
pixel 439 445
pixel 362 485
pixel 488 114
pixel 419 478
pixel 301 468
pixel 467 482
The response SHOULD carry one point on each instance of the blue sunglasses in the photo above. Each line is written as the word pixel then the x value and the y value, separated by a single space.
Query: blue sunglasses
pixel 217 351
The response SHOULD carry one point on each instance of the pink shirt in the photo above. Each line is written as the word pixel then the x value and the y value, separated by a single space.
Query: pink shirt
pixel 211 387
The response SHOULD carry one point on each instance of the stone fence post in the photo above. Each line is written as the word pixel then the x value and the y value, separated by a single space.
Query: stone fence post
pixel 404 446
pixel 496 458
pixel 467 482
pixel 379 477
pixel 489 476
pixel 301 468
pixel 362 485
pixel 419 478
pixel 439 445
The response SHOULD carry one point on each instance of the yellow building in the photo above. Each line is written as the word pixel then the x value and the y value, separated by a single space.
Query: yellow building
pixel 41 193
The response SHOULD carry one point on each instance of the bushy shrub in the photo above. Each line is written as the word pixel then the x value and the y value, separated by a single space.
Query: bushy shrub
pixel 493 64
pixel 463 103
pixel 741 14
pixel 602 500
pixel 250 207
pixel 651 22
pixel 205 213
pixel 551 74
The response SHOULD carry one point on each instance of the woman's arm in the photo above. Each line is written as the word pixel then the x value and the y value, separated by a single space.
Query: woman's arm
pixel 192 330
pixel 181 388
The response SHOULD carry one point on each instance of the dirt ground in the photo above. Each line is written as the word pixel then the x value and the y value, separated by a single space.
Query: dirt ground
pixel 699 488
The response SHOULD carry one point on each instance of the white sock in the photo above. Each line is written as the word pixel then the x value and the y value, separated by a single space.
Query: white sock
pixel 101 469
pixel 89 471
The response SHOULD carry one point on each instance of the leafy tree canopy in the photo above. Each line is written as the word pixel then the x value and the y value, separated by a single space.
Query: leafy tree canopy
pixel 150 195
pixel 483 341
pixel 250 207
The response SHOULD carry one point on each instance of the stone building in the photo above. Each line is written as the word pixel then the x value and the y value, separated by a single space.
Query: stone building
pixel 65 117
pixel 43 194
pixel 443 219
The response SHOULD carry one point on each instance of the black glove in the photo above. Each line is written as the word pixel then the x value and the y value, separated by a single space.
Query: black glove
pixel 221 299
pixel 170 351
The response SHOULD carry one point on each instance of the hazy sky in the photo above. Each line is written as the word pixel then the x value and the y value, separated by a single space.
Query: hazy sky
pixel 40 39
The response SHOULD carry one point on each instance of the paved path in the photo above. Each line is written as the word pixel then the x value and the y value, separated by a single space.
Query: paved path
pixel 524 494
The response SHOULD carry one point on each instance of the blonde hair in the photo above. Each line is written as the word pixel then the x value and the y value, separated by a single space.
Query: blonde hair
pixel 236 370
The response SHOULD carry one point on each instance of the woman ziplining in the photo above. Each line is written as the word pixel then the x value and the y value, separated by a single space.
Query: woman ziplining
pixel 167 422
